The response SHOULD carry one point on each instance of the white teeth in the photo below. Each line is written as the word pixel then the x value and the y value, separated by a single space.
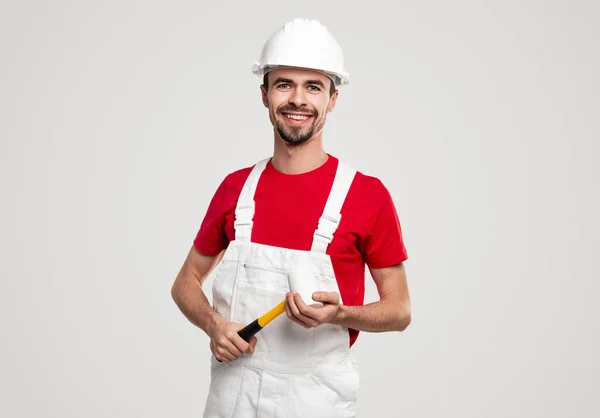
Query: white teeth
pixel 297 117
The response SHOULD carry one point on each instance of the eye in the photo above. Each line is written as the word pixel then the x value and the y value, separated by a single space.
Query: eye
pixel 314 88
pixel 282 85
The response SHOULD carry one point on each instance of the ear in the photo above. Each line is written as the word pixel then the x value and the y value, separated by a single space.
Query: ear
pixel 332 101
pixel 263 92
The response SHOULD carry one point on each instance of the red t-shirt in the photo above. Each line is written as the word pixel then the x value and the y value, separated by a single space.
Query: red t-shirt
pixel 288 208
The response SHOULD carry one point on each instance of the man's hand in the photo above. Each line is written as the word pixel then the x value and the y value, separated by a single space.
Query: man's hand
pixel 310 317
pixel 226 344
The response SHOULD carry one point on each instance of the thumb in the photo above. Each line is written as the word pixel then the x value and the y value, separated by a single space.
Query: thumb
pixel 326 297
pixel 252 342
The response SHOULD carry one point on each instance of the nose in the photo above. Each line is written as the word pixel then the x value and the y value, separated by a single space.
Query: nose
pixel 297 97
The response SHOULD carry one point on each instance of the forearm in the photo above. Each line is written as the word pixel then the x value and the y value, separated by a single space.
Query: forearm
pixel 192 302
pixel 381 316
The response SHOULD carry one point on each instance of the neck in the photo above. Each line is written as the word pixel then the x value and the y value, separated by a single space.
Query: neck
pixel 298 159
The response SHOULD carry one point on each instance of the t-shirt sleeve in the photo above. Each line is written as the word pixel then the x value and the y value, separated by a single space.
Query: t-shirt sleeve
pixel 211 238
pixel 384 245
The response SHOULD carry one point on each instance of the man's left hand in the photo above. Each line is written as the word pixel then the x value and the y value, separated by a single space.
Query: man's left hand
pixel 310 317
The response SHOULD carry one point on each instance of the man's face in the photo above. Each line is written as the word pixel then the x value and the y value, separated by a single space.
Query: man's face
pixel 298 101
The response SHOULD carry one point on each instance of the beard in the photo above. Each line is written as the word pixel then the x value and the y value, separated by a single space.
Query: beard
pixel 297 135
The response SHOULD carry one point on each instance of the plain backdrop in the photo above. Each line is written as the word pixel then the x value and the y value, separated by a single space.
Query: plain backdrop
pixel 118 120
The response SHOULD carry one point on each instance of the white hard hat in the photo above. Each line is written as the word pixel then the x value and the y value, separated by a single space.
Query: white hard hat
pixel 306 44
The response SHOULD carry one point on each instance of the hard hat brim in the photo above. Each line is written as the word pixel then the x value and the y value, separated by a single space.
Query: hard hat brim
pixel 338 78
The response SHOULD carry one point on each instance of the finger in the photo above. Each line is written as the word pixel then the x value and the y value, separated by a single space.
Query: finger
pixel 237 346
pixel 326 297
pixel 289 301
pixel 299 315
pixel 288 312
pixel 308 311
pixel 240 344
pixel 224 353
pixel 220 353
pixel 290 306
pixel 253 342
pixel 224 356
pixel 225 344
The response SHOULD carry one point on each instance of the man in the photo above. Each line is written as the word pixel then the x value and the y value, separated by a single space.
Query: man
pixel 300 206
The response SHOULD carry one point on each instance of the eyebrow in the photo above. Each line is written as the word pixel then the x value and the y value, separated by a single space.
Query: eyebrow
pixel 283 80
pixel 316 82
pixel 289 81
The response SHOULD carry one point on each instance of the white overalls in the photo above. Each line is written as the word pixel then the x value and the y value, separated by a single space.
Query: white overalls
pixel 294 372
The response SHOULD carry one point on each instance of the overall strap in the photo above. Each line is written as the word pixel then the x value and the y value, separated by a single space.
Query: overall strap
pixel 331 217
pixel 244 210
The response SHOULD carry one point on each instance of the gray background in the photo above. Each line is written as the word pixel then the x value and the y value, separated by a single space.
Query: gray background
pixel 119 119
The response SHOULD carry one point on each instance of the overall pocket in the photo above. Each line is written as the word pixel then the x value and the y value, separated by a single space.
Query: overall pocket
pixel 264 277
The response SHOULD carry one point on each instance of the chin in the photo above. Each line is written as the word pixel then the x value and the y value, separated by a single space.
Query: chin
pixel 296 143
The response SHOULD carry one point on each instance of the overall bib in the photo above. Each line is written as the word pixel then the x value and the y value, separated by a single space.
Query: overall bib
pixel 294 372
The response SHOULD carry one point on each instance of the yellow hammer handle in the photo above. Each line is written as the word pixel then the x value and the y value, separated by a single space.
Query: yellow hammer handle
pixel 272 314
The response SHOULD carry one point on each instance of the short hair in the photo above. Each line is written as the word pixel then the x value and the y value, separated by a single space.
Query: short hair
pixel 331 84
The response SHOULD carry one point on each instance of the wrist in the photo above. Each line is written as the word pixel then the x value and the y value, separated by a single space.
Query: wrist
pixel 214 320
pixel 341 315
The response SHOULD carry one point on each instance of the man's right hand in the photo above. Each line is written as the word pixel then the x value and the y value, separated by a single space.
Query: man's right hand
pixel 226 344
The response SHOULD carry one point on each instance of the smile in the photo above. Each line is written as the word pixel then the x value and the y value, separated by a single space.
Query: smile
pixel 296 118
